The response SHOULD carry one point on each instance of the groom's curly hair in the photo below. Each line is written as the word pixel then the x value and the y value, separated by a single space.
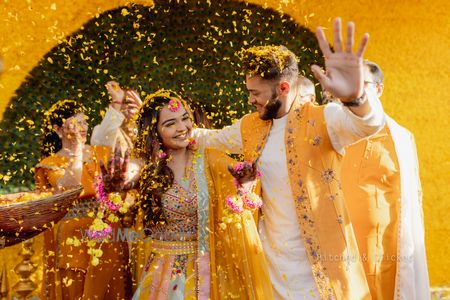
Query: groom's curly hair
pixel 270 62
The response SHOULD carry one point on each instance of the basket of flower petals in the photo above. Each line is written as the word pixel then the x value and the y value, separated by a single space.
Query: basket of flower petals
pixel 24 215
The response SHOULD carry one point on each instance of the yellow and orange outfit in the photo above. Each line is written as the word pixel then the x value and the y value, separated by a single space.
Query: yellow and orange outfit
pixel 325 227
pixel 382 190
pixel 305 229
pixel 195 254
pixel 107 280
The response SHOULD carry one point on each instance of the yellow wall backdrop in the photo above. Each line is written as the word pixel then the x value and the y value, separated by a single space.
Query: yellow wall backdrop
pixel 409 39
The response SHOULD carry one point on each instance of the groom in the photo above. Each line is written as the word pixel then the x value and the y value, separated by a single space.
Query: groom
pixel 305 229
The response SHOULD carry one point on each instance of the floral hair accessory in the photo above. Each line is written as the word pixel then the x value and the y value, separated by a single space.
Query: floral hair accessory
pixel 174 105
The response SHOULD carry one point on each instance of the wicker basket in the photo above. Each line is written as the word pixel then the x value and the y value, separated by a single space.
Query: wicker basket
pixel 23 220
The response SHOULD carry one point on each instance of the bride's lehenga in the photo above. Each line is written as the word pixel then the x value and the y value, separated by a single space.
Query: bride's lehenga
pixel 193 256
pixel 172 269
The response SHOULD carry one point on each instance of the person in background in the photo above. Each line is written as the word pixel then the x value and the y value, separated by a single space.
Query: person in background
pixel 307 91
pixel 68 161
pixel 381 184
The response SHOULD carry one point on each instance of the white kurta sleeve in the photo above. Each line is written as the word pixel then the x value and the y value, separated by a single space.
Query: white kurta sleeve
pixel 345 128
pixel 105 133
pixel 226 139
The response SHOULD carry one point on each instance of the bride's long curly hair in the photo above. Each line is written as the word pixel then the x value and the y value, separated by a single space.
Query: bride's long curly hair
pixel 156 177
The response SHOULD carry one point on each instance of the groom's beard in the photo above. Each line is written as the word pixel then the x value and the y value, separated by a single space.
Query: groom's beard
pixel 271 107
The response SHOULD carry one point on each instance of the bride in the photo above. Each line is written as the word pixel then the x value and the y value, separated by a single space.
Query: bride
pixel 200 248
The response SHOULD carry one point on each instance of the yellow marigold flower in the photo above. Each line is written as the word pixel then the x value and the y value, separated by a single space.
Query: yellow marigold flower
pixel 223 226
pixel 115 198
pixel 95 261
pixel 67 281
pixel 98 252
pixel 112 218
pixel 76 242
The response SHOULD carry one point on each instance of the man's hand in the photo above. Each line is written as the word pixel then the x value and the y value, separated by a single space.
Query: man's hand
pixel 344 75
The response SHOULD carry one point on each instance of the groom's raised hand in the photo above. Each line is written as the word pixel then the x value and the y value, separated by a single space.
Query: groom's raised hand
pixel 344 75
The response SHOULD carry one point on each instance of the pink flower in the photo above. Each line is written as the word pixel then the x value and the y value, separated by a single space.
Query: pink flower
pixel 99 234
pixel 174 105
pixel 192 142
pixel 258 173
pixel 239 166
pixel 112 206
pixel 251 201
pixel 234 203
pixel 102 197
pixel 100 190
pixel 162 154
